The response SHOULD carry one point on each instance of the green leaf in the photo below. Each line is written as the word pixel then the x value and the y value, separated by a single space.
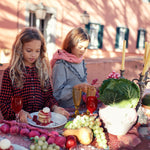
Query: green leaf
pixel 67 124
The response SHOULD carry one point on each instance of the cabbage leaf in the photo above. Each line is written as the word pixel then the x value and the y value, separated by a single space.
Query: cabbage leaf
pixel 120 93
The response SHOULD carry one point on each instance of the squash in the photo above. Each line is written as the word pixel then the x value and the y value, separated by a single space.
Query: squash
pixel 83 134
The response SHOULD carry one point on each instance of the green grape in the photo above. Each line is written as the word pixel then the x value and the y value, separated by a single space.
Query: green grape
pixel 50 148
pixel 57 147
pixel 96 131
pixel 36 138
pixel 38 147
pixel 32 147
pixel 105 146
pixel 40 142
pixel 90 126
pixel 43 138
pixel 53 145
pixel 44 147
pixel 45 143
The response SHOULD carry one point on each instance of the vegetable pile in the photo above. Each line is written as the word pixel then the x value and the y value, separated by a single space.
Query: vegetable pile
pixel 23 129
pixel 120 93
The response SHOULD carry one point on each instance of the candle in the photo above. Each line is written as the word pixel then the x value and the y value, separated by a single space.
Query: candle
pixel 123 55
pixel 146 65
pixel 145 52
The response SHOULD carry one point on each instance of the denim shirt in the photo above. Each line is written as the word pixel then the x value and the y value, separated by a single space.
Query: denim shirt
pixel 64 76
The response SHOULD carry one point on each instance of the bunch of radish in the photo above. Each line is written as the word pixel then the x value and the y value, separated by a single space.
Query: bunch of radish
pixel 23 129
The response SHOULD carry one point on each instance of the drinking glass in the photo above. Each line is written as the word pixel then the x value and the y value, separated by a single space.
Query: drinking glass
pixel 77 93
pixel 16 105
pixel 91 103
pixel 91 91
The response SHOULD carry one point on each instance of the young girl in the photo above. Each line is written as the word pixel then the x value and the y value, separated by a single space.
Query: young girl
pixel 28 77
pixel 68 67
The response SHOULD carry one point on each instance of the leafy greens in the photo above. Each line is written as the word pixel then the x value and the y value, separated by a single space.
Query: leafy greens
pixel 119 93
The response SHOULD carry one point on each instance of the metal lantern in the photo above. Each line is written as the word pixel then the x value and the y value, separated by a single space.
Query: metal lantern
pixel 40 12
pixel 85 18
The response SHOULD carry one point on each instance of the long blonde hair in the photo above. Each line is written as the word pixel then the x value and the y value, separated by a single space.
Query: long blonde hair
pixel 17 66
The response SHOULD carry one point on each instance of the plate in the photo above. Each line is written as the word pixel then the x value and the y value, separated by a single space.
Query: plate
pixel 18 147
pixel 58 120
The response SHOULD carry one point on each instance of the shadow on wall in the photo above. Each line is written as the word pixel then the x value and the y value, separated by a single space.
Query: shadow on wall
pixel 101 68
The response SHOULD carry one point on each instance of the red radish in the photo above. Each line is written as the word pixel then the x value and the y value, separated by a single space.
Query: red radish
pixel 51 140
pixel 71 141
pixel 34 133
pixel 55 133
pixel 5 128
pixel 24 132
pixel 60 141
pixel 14 129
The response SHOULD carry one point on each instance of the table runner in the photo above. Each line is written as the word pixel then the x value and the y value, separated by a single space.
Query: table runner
pixel 130 141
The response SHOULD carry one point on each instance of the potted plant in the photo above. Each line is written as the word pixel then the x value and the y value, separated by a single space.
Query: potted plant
pixel 120 98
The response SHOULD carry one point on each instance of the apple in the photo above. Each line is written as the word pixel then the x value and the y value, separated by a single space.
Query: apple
pixel 71 141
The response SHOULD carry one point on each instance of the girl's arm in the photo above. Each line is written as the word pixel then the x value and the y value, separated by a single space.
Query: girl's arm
pixel 5 97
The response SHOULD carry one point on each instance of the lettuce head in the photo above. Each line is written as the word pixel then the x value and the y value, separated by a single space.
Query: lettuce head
pixel 121 93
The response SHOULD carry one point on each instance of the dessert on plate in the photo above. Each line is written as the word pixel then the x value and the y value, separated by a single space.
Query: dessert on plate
pixel 5 144
pixel 44 116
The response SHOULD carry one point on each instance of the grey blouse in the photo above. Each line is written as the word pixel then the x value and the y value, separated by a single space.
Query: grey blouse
pixel 64 76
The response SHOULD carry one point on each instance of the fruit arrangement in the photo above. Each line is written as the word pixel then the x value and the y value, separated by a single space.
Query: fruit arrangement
pixel 84 128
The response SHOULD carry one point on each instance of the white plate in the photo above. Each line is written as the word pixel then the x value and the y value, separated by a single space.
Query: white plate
pixel 18 147
pixel 58 120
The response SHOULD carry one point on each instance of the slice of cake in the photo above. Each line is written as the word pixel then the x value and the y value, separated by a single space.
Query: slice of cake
pixel 44 116
pixel 5 144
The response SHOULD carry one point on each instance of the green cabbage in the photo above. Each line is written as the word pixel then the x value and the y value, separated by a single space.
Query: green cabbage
pixel 120 93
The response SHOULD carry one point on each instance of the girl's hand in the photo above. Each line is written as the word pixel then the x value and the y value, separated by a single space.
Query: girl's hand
pixel 61 110
pixel 23 115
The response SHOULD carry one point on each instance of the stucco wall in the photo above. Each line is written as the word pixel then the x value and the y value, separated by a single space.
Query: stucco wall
pixel 113 13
